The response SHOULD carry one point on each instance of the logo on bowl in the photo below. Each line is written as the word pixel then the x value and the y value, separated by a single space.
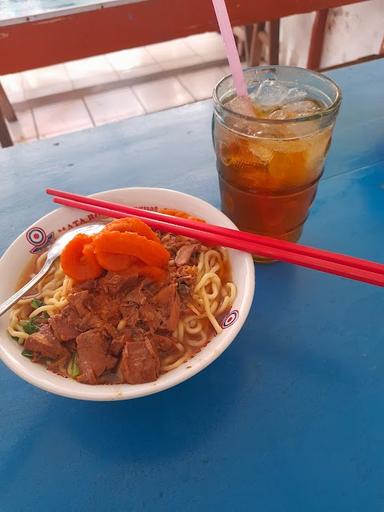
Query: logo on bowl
pixel 79 222
pixel 230 319
pixel 148 208
pixel 38 238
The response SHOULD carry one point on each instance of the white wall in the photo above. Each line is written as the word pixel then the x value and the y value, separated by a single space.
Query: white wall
pixel 352 32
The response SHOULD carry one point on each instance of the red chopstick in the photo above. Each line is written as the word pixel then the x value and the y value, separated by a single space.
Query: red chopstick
pixel 317 259
pixel 243 235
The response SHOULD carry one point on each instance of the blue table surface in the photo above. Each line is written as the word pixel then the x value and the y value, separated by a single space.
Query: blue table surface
pixel 291 416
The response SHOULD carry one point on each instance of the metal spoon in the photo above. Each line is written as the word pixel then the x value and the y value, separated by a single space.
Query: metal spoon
pixel 53 253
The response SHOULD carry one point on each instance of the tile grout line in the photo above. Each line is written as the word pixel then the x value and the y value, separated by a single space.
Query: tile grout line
pixel 201 55
pixel 139 101
pixel 186 89
pixel 88 111
pixel 69 77
pixel 35 123
pixel 190 47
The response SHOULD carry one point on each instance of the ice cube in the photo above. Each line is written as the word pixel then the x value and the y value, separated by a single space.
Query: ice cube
pixel 244 107
pixel 261 153
pixel 241 105
pixel 295 94
pixel 295 110
pixel 279 114
pixel 270 93
pixel 302 108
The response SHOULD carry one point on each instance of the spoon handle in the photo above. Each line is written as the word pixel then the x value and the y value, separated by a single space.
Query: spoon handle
pixel 35 279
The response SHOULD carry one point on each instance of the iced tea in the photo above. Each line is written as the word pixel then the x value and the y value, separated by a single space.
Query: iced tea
pixel 271 147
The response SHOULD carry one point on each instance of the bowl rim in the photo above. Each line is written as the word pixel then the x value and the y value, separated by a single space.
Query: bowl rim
pixel 76 390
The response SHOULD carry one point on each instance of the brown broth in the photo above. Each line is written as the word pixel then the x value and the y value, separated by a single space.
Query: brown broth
pixel 27 272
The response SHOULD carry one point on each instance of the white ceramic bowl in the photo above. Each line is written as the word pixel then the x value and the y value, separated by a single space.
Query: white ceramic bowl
pixel 17 255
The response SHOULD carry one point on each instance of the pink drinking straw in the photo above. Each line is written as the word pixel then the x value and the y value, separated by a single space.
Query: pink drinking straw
pixel 230 47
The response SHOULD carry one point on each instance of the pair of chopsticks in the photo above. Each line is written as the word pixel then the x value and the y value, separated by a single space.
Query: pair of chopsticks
pixel 289 252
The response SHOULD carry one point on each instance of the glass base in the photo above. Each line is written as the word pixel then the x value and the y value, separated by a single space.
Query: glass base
pixel 261 259
pixel 291 236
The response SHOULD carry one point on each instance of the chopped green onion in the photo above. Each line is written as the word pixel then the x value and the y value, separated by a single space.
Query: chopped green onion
pixel 73 367
pixel 30 327
pixel 36 303
pixel 27 353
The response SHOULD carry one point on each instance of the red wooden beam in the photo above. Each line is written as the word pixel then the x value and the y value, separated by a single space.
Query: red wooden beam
pixel 317 39
pixel 41 43
pixel 274 41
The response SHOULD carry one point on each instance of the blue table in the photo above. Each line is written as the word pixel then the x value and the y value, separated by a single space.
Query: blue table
pixel 290 417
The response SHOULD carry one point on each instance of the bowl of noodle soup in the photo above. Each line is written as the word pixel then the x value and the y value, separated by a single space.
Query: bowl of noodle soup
pixel 222 302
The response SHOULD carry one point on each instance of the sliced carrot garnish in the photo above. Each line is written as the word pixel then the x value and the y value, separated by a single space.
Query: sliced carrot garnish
pixel 179 213
pixel 127 246
pixel 115 262
pixel 133 225
pixel 78 259
pixel 150 252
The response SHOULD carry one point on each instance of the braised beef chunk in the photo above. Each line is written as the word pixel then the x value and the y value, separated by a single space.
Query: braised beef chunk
pixel 167 302
pixel 184 254
pixel 65 324
pixel 174 242
pixel 183 290
pixel 185 274
pixel 87 376
pixel 128 336
pixel 92 351
pixel 91 284
pixel 139 362
pixel 113 284
pixel 136 295
pixel 129 312
pixel 165 295
pixel 151 316
pixel 111 362
pixel 107 308
pixel 164 343
pixel 185 278
pixel 45 344
pixel 80 301
pixel 174 315
pixel 109 378
pixel 135 334
pixel 89 321
pixel 110 330
pixel 117 344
